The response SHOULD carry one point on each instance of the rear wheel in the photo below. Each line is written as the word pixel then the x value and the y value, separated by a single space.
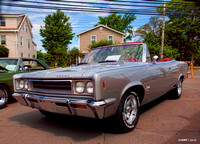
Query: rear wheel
pixel 4 96
pixel 128 112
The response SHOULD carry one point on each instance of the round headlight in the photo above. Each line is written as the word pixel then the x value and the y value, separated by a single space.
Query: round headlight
pixel 80 87
pixel 21 84
pixel 26 85
pixel 89 87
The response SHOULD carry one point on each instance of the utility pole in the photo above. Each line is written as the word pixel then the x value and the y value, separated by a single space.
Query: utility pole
pixel 163 32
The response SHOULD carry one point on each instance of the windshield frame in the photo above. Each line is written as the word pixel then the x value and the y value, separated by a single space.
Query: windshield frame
pixel 17 62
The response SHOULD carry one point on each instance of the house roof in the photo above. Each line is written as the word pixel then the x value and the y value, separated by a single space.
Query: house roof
pixel 34 43
pixel 24 17
pixel 101 26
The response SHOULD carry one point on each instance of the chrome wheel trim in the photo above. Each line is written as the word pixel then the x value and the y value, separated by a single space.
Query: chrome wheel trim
pixel 179 87
pixel 2 97
pixel 130 110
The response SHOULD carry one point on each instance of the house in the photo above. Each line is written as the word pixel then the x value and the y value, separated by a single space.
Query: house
pixel 16 34
pixel 100 32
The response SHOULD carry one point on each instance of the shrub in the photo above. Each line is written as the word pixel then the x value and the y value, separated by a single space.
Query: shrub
pixel 4 51
pixel 101 43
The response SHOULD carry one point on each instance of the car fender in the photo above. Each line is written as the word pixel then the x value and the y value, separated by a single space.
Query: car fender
pixel 130 85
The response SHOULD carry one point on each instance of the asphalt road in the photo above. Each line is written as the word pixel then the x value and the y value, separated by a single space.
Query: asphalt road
pixel 162 121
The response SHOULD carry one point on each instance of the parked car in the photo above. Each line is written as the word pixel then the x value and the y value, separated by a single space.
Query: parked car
pixel 110 81
pixel 11 66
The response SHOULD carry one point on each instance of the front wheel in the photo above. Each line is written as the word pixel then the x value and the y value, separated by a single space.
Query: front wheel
pixel 128 112
pixel 4 95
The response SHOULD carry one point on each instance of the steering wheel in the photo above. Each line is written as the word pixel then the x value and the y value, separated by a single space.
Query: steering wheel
pixel 131 59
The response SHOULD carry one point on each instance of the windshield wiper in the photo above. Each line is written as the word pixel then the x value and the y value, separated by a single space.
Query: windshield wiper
pixel 107 61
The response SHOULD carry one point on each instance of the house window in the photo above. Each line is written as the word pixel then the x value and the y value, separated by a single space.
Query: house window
pixel 2 21
pixel 21 54
pixel 93 38
pixel 21 41
pixel 3 39
pixel 26 28
pixel 33 56
pixel 28 43
pixel 110 38
pixel 29 55
pixel 23 26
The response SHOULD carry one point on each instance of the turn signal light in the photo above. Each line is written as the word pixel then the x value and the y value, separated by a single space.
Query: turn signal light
pixel 78 106
pixel 103 84
pixel 81 106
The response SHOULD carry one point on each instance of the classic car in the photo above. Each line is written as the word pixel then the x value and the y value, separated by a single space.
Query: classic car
pixel 11 66
pixel 110 81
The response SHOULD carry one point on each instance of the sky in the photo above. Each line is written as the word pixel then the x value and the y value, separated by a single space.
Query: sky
pixel 80 21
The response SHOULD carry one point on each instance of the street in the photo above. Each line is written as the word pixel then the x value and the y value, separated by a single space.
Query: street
pixel 162 121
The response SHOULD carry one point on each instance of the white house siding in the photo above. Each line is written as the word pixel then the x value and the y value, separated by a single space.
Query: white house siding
pixel 10 22
pixel 10 43
pixel 15 29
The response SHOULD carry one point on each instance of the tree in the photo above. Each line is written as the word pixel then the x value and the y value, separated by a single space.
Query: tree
pixel 150 34
pixel 101 43
pixel 119 23
pixel 4 51
pixel 154 23
pixel 182 29
pixel 74 54
pixel 49 59
pixel 153 43
pixel 57 34
pixel 40 55
pixel 152 26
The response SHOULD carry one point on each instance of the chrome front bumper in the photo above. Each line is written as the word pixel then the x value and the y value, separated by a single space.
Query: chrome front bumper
pixel 70 106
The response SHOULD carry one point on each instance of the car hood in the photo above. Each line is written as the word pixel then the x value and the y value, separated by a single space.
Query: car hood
pixel 82 71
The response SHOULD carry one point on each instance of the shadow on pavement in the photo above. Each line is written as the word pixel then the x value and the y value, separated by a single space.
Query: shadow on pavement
pixel 77 128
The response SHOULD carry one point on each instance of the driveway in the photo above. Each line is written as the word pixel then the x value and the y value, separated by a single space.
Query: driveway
pixel 162 121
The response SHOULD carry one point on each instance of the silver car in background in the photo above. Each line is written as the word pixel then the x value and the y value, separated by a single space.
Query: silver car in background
pixel 110 81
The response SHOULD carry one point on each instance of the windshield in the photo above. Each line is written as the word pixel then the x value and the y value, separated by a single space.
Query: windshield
pixel 9 64
pixel 126 53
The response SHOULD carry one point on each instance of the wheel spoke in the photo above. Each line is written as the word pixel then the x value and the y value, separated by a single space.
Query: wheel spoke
pixel 130 109
pixel 128 102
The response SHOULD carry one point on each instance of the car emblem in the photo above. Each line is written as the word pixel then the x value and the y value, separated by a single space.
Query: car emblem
pixel 61 76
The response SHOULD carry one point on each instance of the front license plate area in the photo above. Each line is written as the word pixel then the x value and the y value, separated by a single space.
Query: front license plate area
pixel 48 106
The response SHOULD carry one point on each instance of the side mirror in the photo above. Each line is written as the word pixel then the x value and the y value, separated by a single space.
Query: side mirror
pixel 155 58
pixel 26 68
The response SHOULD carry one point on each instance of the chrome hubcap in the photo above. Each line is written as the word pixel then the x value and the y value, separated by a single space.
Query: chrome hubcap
pixel 2 97
pixel 130 109
pixel 179 87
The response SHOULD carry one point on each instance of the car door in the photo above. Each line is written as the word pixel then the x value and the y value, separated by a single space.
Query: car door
pixel 157 81
pixel 32 65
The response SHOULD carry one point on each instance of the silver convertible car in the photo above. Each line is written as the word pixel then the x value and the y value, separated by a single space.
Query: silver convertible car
pixel 110 81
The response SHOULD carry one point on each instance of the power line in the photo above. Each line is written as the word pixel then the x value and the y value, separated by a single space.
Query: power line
pixel 107 10
pixel 113 4
pixel 120 1
pixel 95 9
